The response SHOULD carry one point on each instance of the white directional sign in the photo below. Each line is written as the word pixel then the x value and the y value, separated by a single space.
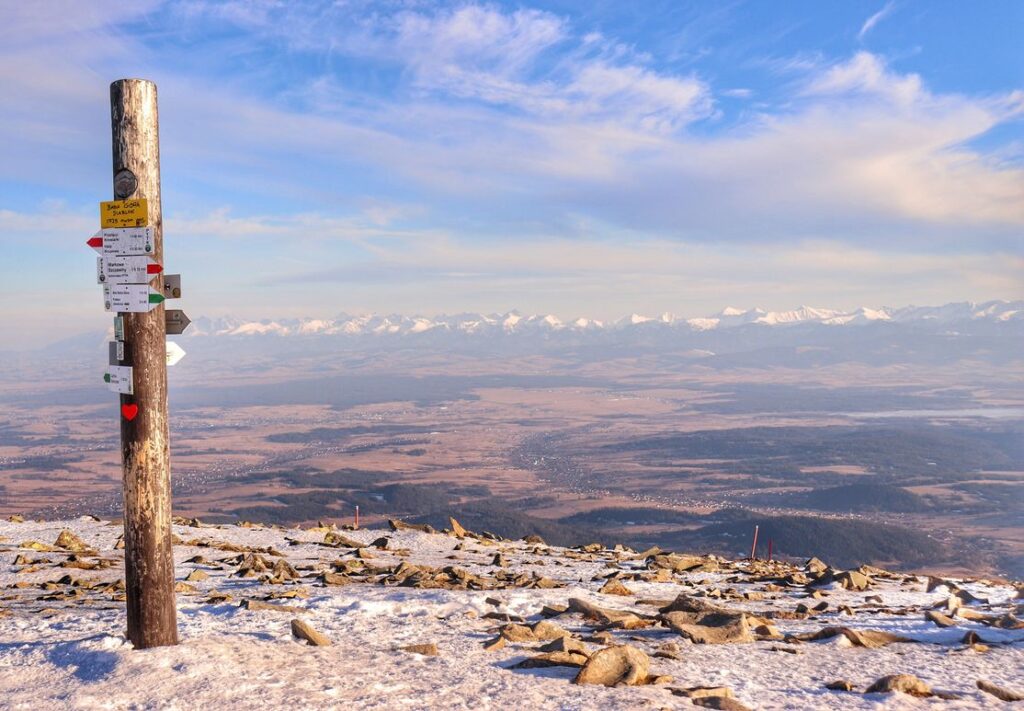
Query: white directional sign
pixel 133 298
pixel 174 353
pixel 136 269
pixel 119 379
pixel 122 241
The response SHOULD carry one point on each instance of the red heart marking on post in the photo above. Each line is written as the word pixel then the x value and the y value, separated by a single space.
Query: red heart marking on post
pixel 130 411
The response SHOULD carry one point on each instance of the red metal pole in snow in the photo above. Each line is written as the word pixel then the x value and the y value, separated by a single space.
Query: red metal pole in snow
pixel 357 516
pixel 753 548
pixel 770 541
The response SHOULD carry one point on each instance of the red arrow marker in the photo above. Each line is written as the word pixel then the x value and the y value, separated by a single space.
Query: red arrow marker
pixel 95 242
pixel 154 268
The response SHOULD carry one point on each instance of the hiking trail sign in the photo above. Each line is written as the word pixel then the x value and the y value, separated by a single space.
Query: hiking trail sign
pixel 122 242
pixel 135 269
pixel 131 298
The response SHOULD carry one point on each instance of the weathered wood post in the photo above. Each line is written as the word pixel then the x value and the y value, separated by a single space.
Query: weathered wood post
pixel 145 446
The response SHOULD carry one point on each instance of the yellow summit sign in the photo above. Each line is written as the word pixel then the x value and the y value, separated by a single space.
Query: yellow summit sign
pixel 124 213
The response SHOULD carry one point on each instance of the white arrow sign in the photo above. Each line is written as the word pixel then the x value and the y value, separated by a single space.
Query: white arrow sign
pixel 122 241
pixel 119 379
pixel 133 298
pixel 174 353
pixel 138 269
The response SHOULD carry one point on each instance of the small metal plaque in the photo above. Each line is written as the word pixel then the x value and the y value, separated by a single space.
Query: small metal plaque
pixel 175 322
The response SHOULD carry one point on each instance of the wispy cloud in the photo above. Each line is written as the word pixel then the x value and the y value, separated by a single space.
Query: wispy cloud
pixel 871 22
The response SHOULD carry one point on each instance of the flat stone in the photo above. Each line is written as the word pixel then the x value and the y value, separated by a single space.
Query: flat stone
pixel 257 605
pixel 70 542
pixel 553 610
pixel 338 540
pixel 621 665
pixel 711 627
pixel 1000 692
pixel 701 692
pixel 457 529
pixel 724 703
pixel 852 580
pixel 518 633
pixel 427 650
pixel 547 630
pixel 615 587
pixel 552 659
pixel 302 630
pixel 566 644
pixel 493 645
pixel 905 683
pixel 871 639
pixel 939 619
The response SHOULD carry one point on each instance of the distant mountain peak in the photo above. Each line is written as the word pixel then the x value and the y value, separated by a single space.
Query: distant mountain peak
pixel 515 323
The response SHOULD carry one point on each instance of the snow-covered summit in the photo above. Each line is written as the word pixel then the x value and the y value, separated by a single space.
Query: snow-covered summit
pixel 514 323
pixel 419 620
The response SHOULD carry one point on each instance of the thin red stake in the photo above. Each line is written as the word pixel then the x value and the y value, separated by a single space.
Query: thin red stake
pixel 357 516
pixel 753 548
pixel 770 541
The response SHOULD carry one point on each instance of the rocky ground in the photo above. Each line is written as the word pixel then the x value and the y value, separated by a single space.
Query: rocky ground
pixel 416 619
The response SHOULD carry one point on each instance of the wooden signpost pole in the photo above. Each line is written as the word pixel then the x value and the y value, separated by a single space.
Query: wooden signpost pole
pixel 145 448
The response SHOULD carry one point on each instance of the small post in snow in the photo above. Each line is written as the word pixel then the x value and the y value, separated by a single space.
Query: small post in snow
pixel 753 548
pixel 770 541
pixel 357 516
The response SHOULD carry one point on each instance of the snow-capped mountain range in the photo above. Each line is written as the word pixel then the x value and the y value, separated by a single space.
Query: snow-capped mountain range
pixel 514 322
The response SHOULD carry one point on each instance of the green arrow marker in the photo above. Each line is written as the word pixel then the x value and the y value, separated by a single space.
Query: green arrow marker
pixel 106 377
pixel 155 298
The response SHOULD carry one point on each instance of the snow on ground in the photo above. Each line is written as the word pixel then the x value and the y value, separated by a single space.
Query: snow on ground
pixel 72 653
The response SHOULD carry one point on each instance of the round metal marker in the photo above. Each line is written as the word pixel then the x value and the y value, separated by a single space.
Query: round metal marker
pixel 125 183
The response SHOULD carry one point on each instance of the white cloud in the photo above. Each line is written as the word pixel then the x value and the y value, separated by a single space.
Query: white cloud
pixel 475 37
pixel 482 53
pixel 867 73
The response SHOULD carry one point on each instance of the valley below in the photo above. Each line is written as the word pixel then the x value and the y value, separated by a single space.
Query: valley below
pixel 917 468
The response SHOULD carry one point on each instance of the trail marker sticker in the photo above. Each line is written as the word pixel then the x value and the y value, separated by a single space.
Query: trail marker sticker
pixel 131 298
pixel 172 286
pixel 124 213
pixel 116 352
pixel 119 379
pixel 130 411
pixel 137 269
pixel 174 353
pixel 118 242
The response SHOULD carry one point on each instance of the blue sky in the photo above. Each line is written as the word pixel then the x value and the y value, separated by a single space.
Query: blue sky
pixel 575 158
